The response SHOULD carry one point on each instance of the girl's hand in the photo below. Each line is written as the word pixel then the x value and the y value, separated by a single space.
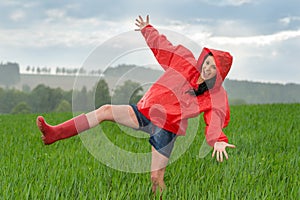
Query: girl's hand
pixel 219 147
pixel 141 23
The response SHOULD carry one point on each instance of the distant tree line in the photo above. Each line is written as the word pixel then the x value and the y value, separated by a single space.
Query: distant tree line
pixel 61 71
pixel 43 99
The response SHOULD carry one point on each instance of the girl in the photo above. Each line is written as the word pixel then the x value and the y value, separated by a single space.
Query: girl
pixel 187 88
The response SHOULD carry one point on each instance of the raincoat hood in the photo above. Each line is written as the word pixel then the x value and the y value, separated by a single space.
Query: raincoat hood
pixel 223 63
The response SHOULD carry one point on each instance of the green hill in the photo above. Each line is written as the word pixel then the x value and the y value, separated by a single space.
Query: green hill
pixel 260 93
pixel 239 92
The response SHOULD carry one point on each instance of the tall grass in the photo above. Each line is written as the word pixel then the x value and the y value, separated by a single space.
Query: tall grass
pixel 264 165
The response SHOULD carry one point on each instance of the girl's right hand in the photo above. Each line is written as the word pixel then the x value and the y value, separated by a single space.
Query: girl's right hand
pixel 141 23
pixel 220 149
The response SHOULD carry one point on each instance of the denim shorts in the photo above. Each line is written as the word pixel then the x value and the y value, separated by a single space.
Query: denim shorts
pixel 161 139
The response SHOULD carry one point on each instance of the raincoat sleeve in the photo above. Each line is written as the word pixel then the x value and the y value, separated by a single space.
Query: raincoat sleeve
pixel 215 121
pixel 165 52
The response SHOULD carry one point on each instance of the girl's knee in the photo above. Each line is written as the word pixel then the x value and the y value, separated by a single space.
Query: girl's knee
pixel 105 108
pixel 104 112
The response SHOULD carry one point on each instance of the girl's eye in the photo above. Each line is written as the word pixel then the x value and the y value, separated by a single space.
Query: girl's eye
pixel 207 62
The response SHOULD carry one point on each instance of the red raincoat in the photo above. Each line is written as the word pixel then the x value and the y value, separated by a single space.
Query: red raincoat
pixel 167 105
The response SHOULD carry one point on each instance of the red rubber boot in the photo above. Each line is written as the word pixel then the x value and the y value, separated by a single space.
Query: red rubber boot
pixel 64 130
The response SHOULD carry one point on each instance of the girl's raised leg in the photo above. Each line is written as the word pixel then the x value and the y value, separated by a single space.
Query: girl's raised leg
pixel 122 114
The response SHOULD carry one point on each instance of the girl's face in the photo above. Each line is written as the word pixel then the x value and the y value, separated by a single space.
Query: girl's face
pixel 209 69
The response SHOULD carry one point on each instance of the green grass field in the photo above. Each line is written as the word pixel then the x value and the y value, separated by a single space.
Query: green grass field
pixel 264 165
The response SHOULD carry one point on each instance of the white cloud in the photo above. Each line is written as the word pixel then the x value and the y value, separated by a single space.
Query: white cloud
pixel 287 20
pixel 58 29
pixel 259 40
pixel 55 13
pixel 50 38
pixel 11 3
pixel 17 15
pixel 239 2
pixel 229 2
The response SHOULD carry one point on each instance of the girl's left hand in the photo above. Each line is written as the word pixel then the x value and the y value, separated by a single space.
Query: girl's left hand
pixel 140 23
pixel 220 148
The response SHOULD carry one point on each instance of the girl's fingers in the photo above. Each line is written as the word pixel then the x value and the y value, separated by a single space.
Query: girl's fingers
pixel 213 153
pixel 230 145
pixel 221 156
pixel 141 19
pixel 226 155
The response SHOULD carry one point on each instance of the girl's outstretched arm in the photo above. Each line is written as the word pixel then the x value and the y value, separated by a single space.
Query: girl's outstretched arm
pixel 215 137
pixel 167 54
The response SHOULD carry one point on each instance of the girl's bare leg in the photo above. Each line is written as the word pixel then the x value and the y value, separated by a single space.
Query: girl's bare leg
pixel 158 167
pixel 121 114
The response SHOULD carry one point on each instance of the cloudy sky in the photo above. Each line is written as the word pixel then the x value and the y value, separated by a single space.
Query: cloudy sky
pixel 262 35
